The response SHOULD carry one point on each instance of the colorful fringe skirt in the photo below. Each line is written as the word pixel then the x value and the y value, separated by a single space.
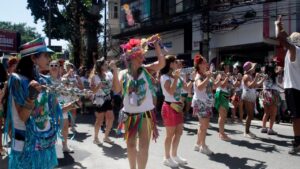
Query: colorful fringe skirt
pixel 35 159
pixel 131 123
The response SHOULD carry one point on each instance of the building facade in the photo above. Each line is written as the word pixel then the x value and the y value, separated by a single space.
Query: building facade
pixel 237 29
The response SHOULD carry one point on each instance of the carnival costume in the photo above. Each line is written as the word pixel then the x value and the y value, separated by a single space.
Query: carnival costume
pixel 203 101
pixel 33 141
pixel 172 109
pixel 269 95
pixel 137 94
pixel 33 147
pixel 103 97
pixel 222 98
pixel 248 94
pixel 222 95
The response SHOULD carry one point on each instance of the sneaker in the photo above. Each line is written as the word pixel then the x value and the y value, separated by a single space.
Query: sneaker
pixel 264 130
pixel 295 149
pixel 170 163
pixel 250 135
pixel 67 149
pixel 180 160
pixel 108 140
pixel 272 132
pixel 196 147
pixel 97 142
pixel 205 150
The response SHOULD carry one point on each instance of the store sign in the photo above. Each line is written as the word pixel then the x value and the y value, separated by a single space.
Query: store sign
pixel 168 44
pixel 227 24
pixel 8 41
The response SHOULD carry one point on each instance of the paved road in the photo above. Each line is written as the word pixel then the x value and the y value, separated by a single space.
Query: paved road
pixel 240 153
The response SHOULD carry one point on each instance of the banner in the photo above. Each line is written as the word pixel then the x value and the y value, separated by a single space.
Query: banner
pixel 9 41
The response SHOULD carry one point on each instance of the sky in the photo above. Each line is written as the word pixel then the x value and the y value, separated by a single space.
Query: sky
pixel 15 11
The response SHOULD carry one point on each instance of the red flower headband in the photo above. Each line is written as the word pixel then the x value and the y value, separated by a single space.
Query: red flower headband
pixel 134 48
pixel 198 59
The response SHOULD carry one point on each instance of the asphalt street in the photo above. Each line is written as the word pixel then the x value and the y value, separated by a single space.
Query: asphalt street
pixel 240 153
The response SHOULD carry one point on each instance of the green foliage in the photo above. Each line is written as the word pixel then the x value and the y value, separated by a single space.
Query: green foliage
pixel 72 20
pixel 27 33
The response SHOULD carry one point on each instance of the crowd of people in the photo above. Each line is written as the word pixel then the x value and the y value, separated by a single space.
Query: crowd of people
pixel 34 115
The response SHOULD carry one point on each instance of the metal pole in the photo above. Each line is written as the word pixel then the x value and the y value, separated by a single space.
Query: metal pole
pixel 206 29
pixel 49 23
pixel 104 43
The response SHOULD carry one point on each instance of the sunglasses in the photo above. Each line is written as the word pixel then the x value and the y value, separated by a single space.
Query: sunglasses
pixel 54 65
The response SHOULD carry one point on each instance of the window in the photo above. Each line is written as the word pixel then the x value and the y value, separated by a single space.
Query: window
pixel 113 11
pixel 116 11
pixel 179 6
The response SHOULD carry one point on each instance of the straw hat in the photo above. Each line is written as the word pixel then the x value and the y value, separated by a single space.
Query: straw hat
pixel 248 66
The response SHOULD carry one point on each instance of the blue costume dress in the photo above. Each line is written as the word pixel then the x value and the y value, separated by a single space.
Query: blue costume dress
pixel 33 141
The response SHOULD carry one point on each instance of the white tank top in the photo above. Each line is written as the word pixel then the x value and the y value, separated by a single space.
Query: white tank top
pixel 146 101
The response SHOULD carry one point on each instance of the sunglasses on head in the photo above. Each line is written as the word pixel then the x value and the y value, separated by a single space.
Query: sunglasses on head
pixel 54 65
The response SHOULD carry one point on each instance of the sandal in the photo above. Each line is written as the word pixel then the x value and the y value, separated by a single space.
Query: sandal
pixel 224 137
pixel 108 140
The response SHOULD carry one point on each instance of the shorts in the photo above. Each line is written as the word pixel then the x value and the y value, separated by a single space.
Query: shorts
pixel 106 106
pixel 291 96
pixel 202 109
pixel 249 95
pixel 236 97
pixel 170 117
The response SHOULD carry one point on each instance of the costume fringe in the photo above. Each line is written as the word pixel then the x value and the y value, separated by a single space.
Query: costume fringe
pixel 134 123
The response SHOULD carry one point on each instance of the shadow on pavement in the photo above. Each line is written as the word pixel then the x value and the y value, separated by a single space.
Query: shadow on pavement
pixel 255 146
pixel 191 132
pixel 80 137
pixel 68 162
pixel 115 151
pixel 236 162
pixel 285 136
pixel 3 162
pixel 283 143
pixel 85 119
pixel 226 130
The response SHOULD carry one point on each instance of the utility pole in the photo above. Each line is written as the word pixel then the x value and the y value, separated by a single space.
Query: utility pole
pixel 49 23
pixel 104 42
pixel 205 24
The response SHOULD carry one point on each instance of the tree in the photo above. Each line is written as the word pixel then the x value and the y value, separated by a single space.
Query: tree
pixel 74 20
pixel 27 33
